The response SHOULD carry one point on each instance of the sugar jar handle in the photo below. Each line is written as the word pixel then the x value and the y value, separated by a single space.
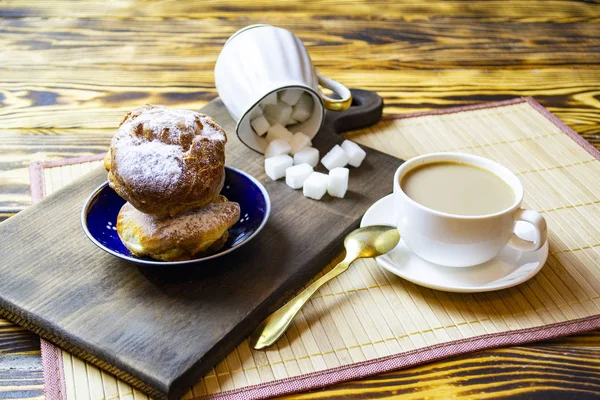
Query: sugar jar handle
pixel 540 231
pixel 335 104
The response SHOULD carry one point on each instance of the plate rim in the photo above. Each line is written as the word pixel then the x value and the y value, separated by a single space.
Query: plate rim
pixel 96 192
pixel 381 261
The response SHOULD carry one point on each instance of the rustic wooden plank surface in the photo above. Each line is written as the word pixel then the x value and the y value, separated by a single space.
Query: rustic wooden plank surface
pixel 495 10
pixel 69 70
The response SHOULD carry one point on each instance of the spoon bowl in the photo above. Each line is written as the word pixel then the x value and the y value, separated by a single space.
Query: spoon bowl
pixel 365 242
pixel 371 241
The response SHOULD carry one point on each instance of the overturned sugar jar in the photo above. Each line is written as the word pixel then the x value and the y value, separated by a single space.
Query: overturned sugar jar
pixel 266 80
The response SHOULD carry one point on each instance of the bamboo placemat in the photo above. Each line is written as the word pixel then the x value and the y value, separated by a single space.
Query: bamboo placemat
pixel 369 321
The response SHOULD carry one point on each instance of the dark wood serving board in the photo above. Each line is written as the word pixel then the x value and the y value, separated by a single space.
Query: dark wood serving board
pixel 161 329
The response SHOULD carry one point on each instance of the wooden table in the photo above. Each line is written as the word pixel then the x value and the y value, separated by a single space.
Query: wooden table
pixel 70 71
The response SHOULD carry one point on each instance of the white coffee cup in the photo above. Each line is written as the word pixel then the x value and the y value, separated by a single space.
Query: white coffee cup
pixel 462 240
pixel 261 59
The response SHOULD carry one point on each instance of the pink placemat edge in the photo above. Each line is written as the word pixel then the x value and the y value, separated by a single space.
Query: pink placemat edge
pixel 52 362
pixel 452 110
pixel 564 127
pixel 53 371
pixel 36 172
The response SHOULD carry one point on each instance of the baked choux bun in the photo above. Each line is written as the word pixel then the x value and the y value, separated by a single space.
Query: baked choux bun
pixel 166 161
pixel 106 161
pixel 186 236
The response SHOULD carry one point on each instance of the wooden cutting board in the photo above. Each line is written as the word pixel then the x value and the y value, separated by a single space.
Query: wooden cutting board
pixel 161 329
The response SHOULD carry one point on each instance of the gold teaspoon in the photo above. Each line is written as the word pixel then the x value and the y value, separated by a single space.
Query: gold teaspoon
pixel 367 242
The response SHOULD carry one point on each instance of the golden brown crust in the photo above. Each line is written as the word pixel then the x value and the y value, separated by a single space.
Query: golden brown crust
pixel 106 161
pixel 165 161
pixel 186 236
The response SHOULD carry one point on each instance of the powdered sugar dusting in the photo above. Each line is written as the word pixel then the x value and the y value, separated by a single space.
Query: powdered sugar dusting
pixel 215 217
pixel 209 129
pixel 170 123
pixel 155 165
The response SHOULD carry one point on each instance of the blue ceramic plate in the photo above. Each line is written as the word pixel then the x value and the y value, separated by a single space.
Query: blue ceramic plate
pixel 99 217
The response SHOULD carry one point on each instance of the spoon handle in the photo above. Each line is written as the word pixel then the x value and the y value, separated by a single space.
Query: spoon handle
pixel 275 324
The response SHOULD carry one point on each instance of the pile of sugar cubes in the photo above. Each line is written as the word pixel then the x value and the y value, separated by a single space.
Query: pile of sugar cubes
pixel 284 108
pixel 292 156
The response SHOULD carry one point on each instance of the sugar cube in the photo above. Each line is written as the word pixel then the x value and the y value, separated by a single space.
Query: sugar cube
pixel 308 155
pixel 355 153
pixel 315 185
pixel 255 112
pixel 275 166
pixel 285 113
pixel 303 108
pixel 271 113
pixel 296 175
pixel 335 158
pixel 290 96
pixel 338 182
pixel 278 113
pixel 269 99
pixel 298 142
pixel 260 125
pixel 277 147
pixel 278 131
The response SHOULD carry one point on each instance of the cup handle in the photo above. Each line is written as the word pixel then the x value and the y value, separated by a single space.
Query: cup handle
pixel 335 104
pixel 539 225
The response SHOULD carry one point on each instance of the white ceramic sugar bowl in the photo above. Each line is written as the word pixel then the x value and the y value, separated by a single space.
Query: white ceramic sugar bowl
pixel 262 59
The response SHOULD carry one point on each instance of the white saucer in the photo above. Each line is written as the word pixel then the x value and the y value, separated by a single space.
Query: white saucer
pixel 511 267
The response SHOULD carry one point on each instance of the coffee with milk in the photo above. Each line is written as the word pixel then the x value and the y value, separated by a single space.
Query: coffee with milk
pixel 457 188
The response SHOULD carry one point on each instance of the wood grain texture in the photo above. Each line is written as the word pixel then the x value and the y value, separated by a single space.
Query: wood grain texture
pixel 15 340
pixel 20 382
pixel 532 372
pixel 67 77
pixel 496 10
pixel 448 43
pixel 20 365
